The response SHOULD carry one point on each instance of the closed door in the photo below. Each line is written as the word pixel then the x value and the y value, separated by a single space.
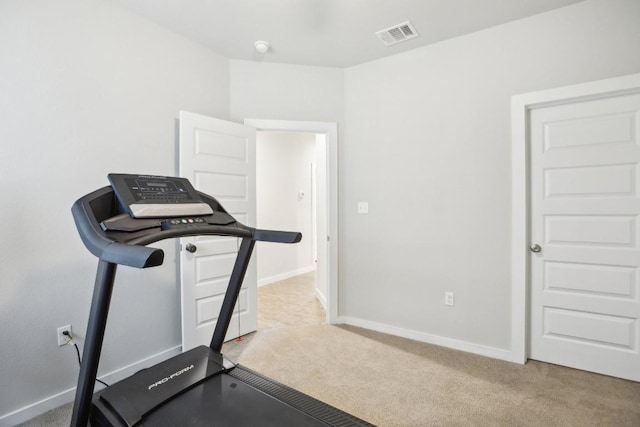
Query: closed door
pixel 585 235
pixel 219 159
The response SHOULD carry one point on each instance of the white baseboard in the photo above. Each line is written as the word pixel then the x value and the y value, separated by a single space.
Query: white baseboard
pixel 495 353
pixel 322 299
pixel 38 408
pixel 286 275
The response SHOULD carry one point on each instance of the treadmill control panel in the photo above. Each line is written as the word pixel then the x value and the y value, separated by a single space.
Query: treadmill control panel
pixel 148 196
pixel 181 223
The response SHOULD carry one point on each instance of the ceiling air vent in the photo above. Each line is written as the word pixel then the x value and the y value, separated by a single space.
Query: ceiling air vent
pixel 397 33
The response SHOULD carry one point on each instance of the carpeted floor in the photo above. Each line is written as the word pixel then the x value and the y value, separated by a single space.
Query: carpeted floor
pixel 392 381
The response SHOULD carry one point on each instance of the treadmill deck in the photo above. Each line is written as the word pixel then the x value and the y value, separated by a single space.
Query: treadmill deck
pixel 211 392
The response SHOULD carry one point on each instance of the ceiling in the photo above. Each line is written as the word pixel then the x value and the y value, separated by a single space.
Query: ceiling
pixel 331 33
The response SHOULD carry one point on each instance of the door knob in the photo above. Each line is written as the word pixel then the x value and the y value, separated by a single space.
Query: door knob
pixel 191 247
pixel 535 248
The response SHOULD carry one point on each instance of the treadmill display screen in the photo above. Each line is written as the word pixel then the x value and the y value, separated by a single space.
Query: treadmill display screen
pixel 170 190
pixel 156 184
pixel 147 196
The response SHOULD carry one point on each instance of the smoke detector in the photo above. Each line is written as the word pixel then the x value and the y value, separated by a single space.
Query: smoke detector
pixel 397 33
pixel 262 46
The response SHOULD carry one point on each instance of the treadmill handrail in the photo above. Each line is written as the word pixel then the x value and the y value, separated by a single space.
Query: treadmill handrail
pixel 104 248
pixel 276 236
pixel 134 252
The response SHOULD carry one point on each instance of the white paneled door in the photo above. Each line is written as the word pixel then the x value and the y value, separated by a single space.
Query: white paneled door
pixel 585 235
pixel 218 157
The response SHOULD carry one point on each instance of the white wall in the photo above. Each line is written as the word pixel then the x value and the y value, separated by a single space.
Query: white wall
pixel 86 89
pixel 285 92
pixel 283 169
pixel 427 144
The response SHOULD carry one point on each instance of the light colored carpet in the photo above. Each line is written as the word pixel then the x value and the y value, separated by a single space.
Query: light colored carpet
pixel 392 381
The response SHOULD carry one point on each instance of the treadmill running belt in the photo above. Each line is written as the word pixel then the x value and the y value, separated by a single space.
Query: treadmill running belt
pixel 297 399
pixel 224 401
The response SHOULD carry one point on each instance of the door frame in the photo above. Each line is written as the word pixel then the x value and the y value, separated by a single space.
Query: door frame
pixel 330 130
pixel 521 105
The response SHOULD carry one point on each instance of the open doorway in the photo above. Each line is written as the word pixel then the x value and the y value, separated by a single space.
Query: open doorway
pixel 321 194
pixel 291 195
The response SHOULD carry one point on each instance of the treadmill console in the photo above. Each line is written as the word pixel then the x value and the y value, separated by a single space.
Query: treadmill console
pixel 147 196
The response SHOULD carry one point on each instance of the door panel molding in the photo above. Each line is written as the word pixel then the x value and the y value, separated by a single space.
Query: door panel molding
pixel 218 157
pixel 521 105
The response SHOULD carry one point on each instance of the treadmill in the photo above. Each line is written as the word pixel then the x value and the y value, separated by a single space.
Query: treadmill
pixel 199 387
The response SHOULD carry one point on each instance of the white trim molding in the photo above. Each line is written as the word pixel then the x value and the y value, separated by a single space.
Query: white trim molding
pixel 482 350
pixel 520 107
pixel 286 275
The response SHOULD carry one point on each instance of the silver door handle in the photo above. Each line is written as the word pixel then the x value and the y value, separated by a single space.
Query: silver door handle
pixel 535 248
pixel 191 248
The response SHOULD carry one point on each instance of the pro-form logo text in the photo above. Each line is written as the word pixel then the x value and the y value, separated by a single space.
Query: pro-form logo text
pixel 170 377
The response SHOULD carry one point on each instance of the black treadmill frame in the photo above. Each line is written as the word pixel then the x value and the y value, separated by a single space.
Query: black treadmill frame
pixel 113 248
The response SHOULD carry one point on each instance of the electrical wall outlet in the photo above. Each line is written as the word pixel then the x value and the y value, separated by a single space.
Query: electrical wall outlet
pixel 63 339
pixel 448 298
